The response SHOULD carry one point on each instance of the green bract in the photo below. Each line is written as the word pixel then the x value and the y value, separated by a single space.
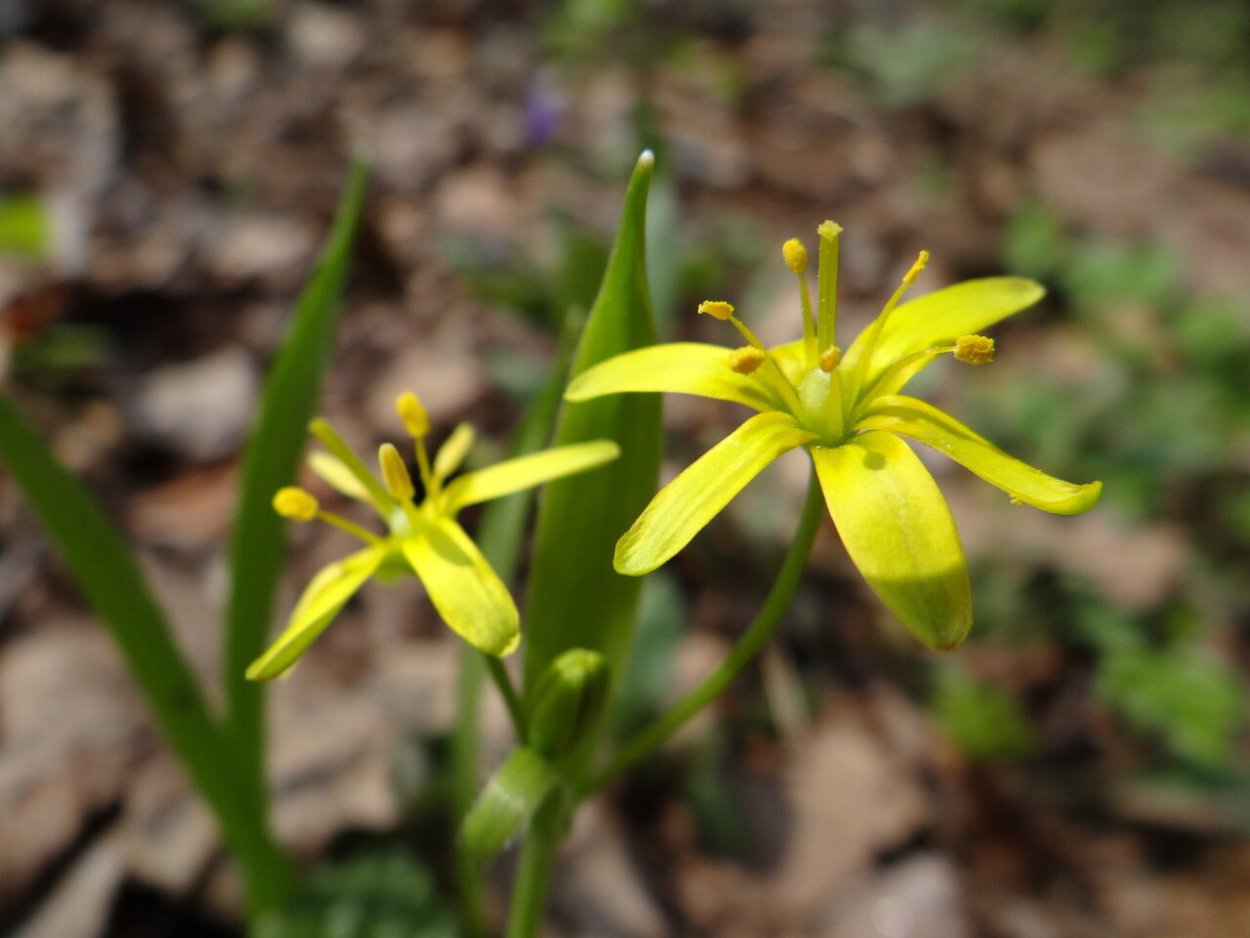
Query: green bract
pixel 423 538
pixel 847 411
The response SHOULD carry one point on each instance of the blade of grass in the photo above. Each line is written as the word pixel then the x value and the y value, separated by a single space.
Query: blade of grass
pixel 270 462
pixel 575 598
pixel 101 562
pixel 500 536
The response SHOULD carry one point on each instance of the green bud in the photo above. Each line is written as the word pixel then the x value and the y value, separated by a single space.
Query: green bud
pixel 567 701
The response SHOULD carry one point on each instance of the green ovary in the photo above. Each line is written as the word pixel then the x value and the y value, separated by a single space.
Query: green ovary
pixel 821 408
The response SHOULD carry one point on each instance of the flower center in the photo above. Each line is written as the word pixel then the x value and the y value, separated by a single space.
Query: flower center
pixel 820 408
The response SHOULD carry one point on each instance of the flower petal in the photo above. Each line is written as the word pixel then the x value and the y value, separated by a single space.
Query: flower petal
pixel 326 594
pixel 926 424
pixel 463 588
pixel 899 532
pixel 940 318
pixel 690 501
pixel 677 368
pixel 525 472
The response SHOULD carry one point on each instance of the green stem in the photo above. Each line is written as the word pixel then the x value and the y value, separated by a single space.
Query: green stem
pixel 470 888
pixel 751 641
pixel 512 700
pixel 538 856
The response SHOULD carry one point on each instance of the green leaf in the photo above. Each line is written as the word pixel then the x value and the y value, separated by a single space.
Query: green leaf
pixel 101 562
pixel 576 599
pixel 23 226
pixel 508 801
pixel 381 893
pixel 270 462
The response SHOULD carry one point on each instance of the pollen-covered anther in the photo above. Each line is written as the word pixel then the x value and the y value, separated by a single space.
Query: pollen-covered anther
pixel 414 415
pixel 746 360
pixel 717 309
pixel 829 359
pixel 296 503
pixel 974 349
pixel 795 255
pixel 394 473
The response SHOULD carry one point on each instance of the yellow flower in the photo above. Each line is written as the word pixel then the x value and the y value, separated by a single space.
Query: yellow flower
pixel 422 538
pixel 846 410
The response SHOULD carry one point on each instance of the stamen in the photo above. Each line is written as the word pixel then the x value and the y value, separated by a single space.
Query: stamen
pixel 414 415
pixel 795 255
pixel 295 503
pixel 451 454
pixel 827 284
pixel 379 498
pixel 717 309
pixel 777 377
pixel 301 505
pixel 829 359
pixel 746 360
pixel 395 474
pixel 878 324
pixel 974 349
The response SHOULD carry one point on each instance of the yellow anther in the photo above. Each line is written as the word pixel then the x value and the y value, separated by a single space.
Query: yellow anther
pixel 922 261
pixel 829 359
pixel 717 309
pixel 795 255
pixel 746 360
pixel 974 349
pixel 448 459
pixel 414 415
pixel 394 473
pixel 295 503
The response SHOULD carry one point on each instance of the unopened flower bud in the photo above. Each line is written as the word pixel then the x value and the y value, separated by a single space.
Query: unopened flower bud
pixel 567 701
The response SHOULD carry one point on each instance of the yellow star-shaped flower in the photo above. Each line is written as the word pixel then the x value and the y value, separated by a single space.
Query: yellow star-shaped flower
pixel 423 538
pixel 846 410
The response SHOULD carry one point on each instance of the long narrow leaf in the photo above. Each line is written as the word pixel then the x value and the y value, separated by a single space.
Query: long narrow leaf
pixel 271 461
pixel 101 562
pixel 575 598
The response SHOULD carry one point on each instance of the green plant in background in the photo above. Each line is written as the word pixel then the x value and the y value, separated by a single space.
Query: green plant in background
pixel 23 226
pixel 1159 413
pixel 578 689
pixel 224 756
